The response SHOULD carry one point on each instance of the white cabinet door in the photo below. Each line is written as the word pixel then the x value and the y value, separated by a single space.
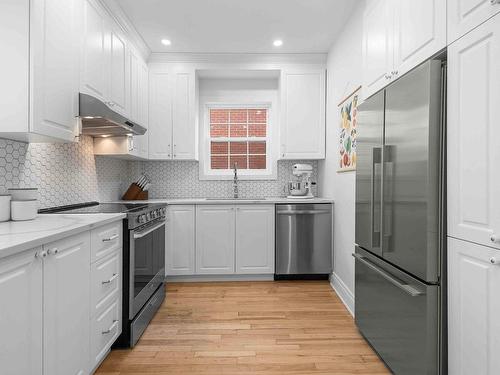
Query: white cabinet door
pixel 183 115
pixel 378 45
pixel 118 88
pixel 465 15
pixel 160 115
pixel 255 239
pixel 66 306
pixel 54 44
pixel 180 240
pixel 21 314
pixel 473 309
pixel 96 44
pixel 215 239
pixel 473 134
pixel 303 114
pixel 420 32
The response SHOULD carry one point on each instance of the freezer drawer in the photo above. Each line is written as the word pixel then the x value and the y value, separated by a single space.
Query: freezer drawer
pixel 303 239
pixel 398 315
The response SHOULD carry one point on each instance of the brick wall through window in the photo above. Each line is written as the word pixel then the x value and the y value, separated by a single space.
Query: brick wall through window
pixel 238 135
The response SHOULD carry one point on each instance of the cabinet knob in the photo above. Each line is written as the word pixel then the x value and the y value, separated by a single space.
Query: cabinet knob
pixel 388 76
pixel 53 251
pixel 41 254
pixel 494 238
pixel 494 2
pixel 494 260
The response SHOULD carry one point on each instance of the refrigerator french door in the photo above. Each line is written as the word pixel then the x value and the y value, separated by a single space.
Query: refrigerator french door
pixel 399 214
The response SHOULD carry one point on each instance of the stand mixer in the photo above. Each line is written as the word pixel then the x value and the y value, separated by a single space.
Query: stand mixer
pixel 301 188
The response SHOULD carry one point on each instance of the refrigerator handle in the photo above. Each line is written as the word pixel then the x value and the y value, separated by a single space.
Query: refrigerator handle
pixel 375 196
pixel 412 291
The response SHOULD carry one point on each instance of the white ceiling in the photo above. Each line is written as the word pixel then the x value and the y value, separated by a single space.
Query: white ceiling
pixel 238 26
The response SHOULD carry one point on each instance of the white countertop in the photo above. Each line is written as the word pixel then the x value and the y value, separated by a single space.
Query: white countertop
pixel 18 236
pixel 270 200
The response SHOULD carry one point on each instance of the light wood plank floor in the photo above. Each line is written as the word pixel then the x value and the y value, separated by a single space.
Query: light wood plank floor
pixel 248 328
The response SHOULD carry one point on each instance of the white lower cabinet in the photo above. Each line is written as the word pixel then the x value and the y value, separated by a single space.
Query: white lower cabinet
pixel 215 239
pixel 180 235
pixel 220 239
pixel 21 314
pixel 473 308
pixel 255 239
pixel 66 281
pixel 59 313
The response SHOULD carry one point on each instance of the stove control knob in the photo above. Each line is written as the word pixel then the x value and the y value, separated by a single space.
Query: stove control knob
pixel 164 211
pixel 141 218
pixel 154 214
pixel 148 216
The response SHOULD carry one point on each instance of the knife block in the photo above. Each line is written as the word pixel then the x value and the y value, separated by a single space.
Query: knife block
pixel 132 192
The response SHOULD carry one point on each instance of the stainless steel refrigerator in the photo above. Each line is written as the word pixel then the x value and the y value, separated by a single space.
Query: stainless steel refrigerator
pixel 400 206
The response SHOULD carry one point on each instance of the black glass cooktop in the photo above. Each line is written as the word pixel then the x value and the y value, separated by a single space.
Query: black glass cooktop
pixel 95 208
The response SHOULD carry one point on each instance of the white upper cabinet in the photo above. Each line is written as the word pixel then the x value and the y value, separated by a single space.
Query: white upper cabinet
pixel 183 112
pixel 118 73
pixel 255 239
pixel 180 249
pixel 172 113
pixel 215 239
pixel 397 36
pixel 473 309
pixel 465 15
pixel 160 114
pixel 420 32
pixel 378 45
pixel 39 100
pixel 66 302
pixel 96 51
pixel 302 133
pixel 21 314
pixel 473 134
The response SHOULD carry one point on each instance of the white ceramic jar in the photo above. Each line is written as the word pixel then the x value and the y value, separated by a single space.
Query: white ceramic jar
pixel 23 194
pixel 5 207
pixel 24 210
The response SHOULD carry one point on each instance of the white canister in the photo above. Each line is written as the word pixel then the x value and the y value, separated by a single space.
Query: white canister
pixel 23 194
pixel 5 207
pixel 23 210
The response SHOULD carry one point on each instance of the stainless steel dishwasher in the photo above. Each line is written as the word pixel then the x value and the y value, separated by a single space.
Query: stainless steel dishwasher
pixel 303 240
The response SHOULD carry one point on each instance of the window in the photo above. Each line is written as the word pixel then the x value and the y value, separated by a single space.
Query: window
pixel 237 134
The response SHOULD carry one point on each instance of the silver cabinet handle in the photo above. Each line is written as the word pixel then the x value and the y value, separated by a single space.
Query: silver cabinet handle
pixel 53 251
pixel 115 275
pixel 110 238
pixel 111 327
pixel 41 254
pixel 494 238
pixel 147 231
pixel 414 292
pixel 388 76
pixel 494 260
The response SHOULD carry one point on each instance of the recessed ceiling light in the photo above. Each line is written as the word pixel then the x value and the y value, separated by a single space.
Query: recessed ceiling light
pixel 278 43
pixel 166 42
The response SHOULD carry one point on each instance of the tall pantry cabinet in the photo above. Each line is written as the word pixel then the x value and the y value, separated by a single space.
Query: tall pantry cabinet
pixel 473 188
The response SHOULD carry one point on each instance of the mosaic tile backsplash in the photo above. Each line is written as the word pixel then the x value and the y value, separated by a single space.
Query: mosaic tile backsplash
pixel 180 179
pixel 68 173
pixel 64 173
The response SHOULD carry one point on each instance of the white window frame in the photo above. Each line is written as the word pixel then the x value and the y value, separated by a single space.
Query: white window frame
pixel 206 173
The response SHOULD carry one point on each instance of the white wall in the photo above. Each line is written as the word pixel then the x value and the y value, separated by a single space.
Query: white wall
pixel 344 75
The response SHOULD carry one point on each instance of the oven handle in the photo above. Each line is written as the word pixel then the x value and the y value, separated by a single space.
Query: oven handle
pixel 149 230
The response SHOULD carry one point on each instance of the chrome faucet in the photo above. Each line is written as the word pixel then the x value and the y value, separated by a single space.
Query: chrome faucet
pixel 235 181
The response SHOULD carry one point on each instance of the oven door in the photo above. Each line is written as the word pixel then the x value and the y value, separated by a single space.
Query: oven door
pixel 147 264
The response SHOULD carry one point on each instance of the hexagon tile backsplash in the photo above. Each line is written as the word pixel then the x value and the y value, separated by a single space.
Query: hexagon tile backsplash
pixel 64 173
pixel 68 173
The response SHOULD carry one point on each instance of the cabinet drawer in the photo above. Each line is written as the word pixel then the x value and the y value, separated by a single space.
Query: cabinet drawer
pixel 106 239
pixel 105 329
pixel 105 281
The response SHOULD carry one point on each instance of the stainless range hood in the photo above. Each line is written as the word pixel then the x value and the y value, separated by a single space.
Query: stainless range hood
pixel 99 120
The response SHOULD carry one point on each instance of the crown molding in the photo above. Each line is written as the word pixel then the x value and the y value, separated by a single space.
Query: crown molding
pixel 239 58
pixel 117 13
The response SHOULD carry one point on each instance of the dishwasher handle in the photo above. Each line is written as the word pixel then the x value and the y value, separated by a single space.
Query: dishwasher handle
pixel 304 212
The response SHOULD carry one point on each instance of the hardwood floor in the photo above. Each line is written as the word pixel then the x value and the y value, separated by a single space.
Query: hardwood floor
pixel 248 328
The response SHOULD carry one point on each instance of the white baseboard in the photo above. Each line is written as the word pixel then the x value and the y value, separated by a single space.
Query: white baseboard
pixel 205 278
pixel 343 292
